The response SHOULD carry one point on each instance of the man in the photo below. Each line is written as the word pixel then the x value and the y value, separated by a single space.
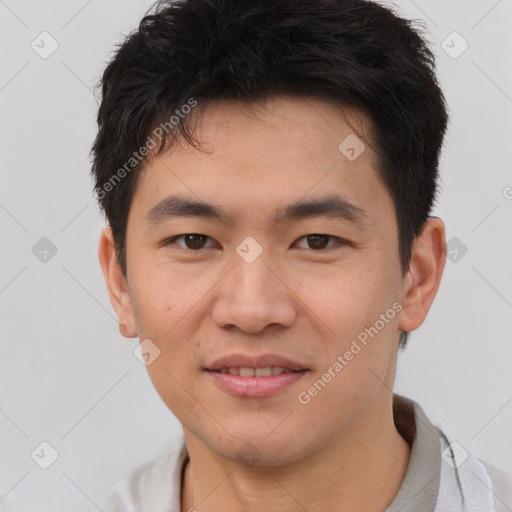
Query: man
pixel 267 170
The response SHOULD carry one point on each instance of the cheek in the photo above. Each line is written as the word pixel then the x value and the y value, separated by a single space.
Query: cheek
pixel 161 298
pixel 359 322
pixel 347 299
pixel 351 373
pixel 163 314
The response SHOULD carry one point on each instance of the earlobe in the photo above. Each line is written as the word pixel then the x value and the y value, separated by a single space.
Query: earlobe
pixel 117 286
pixel 422 281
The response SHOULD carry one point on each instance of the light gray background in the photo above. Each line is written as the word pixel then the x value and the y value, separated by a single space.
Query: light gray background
pixel 66 375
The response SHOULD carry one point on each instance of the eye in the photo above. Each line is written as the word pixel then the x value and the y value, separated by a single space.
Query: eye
pixel 193 241
pixel 319 241
pixel 197 241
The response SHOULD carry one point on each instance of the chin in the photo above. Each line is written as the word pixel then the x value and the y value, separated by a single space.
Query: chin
pixel 257 446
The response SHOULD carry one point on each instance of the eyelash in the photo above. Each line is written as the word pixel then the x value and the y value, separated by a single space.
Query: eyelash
pixel 172 240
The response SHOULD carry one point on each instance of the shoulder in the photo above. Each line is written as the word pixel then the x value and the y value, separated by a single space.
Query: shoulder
pixel 154 485
pixel 501 486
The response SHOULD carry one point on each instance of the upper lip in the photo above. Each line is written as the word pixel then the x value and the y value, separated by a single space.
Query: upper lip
pixel 254 361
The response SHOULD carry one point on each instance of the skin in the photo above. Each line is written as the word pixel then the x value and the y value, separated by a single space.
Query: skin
pixel 305 303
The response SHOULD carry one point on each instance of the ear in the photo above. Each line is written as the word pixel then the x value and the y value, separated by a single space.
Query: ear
pixel 117 285
pixel 422 281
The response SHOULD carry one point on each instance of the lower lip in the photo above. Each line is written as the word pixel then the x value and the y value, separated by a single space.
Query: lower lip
pixel 255 386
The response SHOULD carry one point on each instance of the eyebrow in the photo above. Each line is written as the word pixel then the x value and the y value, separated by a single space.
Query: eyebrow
pixel 332 206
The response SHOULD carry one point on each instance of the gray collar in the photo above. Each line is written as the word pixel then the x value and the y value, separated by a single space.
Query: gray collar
pixel 420 486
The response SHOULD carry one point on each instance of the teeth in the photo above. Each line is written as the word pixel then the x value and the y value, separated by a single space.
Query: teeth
pixel 246 372
pixel 255 372
pixel 263 372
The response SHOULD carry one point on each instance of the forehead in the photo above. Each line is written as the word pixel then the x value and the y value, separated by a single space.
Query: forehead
pixel 261 156
pixel 278 118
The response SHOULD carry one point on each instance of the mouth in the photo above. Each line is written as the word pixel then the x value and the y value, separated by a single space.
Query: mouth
pixel 250 365
pixel 255 376
pixel 265 371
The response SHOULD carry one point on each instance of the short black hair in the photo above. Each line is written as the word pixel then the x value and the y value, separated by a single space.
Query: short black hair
pixel 353 53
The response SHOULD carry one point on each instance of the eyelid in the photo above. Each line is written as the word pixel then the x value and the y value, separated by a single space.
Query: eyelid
pixel 172 241
pixel 339 241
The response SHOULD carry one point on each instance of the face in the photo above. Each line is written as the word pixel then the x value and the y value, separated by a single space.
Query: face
pixel 260 274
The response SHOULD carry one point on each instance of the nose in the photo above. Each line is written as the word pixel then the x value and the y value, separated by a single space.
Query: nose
pixel 252 297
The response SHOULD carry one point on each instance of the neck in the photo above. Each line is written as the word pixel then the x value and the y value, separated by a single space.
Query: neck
pixel 362 468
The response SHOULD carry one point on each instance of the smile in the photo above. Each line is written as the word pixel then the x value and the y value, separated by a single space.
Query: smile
pixel 255 372
pixel 255 382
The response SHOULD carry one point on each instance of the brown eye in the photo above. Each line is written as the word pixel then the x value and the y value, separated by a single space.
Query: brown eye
pixel 193 241
pixel 318 241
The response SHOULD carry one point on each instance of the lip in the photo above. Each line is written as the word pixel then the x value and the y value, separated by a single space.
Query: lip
pixel 255 387
pixel 254 361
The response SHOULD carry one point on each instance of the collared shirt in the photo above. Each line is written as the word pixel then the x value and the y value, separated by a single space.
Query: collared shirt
pixel 420 486
pixel 156 485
